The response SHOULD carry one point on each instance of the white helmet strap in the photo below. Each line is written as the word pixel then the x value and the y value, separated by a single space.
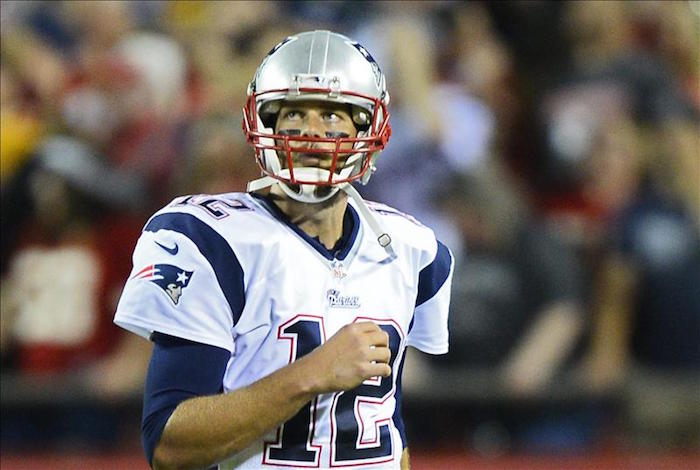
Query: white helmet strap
pixel 383 238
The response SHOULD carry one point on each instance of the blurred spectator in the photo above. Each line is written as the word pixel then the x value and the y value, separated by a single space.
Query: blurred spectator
pixel 535 36
pixel 647 334
pixel 224 41
pixel 518 308
pixel 339 16
pixel 518 303
pixel 671 30
pixel 128 95
pixel 610 78
pixel 20 127
pixel 68 268
pixel 63 278
pixel 93 75
pixel 219 160
pixel 475 58
pixel 39 68
pixel 622 160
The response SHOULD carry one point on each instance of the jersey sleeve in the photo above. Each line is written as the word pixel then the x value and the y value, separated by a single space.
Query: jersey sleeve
pixel 428 331
pixel 185 282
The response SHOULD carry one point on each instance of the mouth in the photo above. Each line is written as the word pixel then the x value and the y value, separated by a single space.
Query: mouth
pixel 313 160
pixel 317 160
pixel 316 157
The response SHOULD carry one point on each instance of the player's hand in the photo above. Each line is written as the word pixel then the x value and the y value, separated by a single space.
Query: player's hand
pixel 357 352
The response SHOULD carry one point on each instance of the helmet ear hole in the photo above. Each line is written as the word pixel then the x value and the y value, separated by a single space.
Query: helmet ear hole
pixel 361 118
pixel 268 113
pixel 268 120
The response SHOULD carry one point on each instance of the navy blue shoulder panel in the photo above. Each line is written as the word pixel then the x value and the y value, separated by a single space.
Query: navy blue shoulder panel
pixel 215 249
pixel 433 276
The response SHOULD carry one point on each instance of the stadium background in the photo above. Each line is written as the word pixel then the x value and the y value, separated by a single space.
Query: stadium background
pixel 552 145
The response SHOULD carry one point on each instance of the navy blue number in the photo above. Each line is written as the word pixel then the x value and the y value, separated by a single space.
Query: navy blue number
pixel 294 438
pixel 348 427
pixel 295 433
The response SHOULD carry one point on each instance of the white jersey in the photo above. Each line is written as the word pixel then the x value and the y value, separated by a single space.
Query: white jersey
pixel 231 272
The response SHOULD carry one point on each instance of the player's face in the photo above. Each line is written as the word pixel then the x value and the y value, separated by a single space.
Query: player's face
pixel 316 119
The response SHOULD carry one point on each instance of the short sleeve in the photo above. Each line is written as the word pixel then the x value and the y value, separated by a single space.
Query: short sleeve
pixel 428 331
pixel 180 284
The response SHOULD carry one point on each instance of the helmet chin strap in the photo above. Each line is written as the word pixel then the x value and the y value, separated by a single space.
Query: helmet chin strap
pixel 307 192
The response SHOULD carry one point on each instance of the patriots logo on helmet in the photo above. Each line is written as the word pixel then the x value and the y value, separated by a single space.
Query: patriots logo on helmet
pixel 171 279
pixel 375 66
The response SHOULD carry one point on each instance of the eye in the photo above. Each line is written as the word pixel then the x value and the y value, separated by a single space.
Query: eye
pixel 292 115
pixel 331 116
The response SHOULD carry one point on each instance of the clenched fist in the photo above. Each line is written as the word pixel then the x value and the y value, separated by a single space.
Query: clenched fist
pixel 357 352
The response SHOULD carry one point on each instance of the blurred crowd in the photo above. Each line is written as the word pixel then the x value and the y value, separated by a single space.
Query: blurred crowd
pixel 553 146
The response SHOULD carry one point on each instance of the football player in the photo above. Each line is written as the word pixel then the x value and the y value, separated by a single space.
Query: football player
pixel 280 317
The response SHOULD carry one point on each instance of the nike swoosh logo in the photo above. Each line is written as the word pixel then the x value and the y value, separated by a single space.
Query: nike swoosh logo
pixel 172 251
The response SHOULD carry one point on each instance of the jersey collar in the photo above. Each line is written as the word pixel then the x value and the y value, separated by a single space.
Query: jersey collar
pixel 351 227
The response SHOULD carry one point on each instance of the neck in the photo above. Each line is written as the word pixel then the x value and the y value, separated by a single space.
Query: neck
pixel 323 220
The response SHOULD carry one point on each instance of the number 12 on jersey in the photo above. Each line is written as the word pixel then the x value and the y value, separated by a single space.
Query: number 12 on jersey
pixel 294 444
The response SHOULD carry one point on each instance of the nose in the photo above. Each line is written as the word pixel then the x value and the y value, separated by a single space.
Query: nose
pixel 312 125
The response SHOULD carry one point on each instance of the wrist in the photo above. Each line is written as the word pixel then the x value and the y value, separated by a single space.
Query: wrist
pixel 308 377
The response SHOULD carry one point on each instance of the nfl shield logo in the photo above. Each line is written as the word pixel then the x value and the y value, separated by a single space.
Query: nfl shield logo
pixel 338 269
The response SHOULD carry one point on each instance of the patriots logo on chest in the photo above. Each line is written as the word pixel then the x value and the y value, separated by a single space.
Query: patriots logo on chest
pixel 171 279
pixel 337 300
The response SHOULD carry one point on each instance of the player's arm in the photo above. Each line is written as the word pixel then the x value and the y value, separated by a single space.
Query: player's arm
pixel 204 430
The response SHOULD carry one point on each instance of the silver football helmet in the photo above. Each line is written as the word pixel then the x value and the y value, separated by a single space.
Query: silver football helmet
pixel 325 66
